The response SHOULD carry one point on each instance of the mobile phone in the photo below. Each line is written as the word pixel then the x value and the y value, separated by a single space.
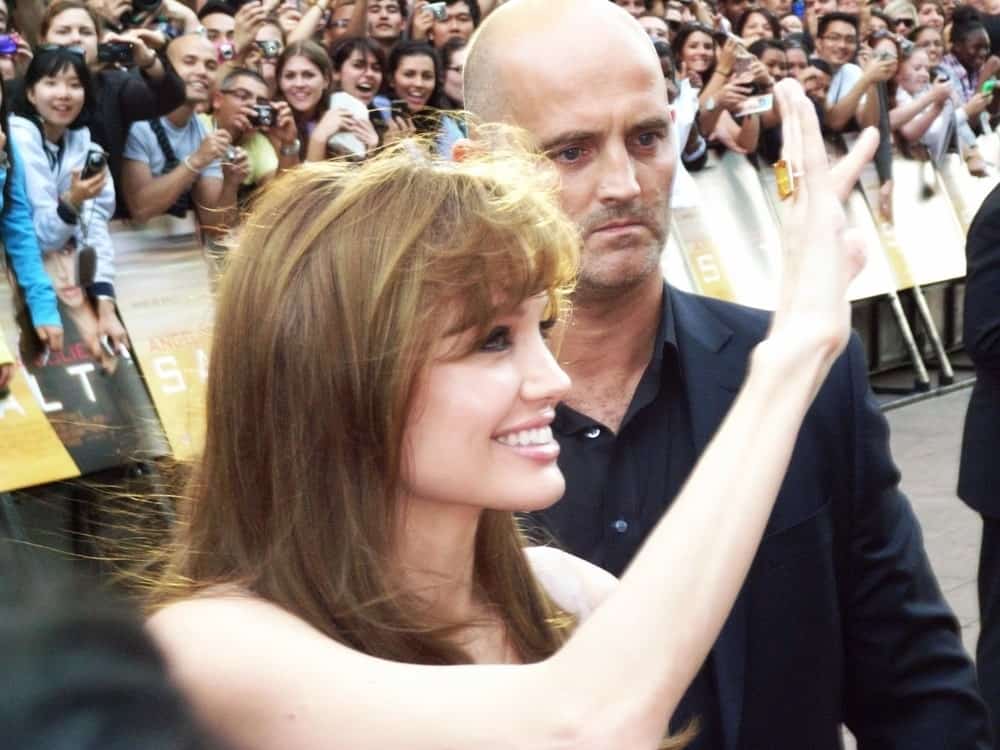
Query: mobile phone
pixel 440 10
pixel 94 164
pixel 115 52
pixel 269 48
pixel 988 86
pixel 140 13
pixel 399 108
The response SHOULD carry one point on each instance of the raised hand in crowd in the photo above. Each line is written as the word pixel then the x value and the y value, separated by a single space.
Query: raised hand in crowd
pixel 284 133
pixel 180 15
pixel 879 70
pixel 364 130
pixel 235 167
pixel 421 21
pixel 397 128
pixel 990 68
pixel 249 19
pixel 289 18
pixel 213 146
pixel 84 188
pixel 145 43
pixel 332 122
pixel 735 92
pixel 977 104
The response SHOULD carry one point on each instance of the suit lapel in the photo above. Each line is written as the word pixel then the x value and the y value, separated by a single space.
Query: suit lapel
pixel 713 366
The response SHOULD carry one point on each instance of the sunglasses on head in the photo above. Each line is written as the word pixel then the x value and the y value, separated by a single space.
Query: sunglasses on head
pixel 43 49
pixel 907 22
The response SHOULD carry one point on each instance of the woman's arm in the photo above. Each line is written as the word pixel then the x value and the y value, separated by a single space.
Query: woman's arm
pixel 24 253
pixel 53 227
pixel 913 118
pixel 309 24
pixel 266 679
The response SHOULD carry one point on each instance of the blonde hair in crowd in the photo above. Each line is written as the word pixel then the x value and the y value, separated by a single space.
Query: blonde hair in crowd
pixel 343 280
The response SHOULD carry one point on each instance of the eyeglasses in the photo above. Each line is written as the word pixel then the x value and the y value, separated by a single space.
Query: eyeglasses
pixel 840 39
pixel 457 69
pixel 907 22
pixel 42 49
pixel 242 94
pixel 340 23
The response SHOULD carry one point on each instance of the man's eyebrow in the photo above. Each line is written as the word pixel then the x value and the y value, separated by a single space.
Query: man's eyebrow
pixel 568 136
pixel 651 123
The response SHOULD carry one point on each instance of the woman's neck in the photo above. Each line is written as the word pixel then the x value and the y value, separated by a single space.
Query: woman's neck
pixel 435 557
pixel 53 133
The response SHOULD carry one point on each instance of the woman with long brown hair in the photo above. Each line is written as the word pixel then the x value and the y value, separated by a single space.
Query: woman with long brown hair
pixel 347 572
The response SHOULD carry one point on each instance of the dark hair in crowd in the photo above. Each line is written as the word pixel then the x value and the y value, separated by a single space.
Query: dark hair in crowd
pixel 965 22
pixel 347 46
pixel 415 49
pixel 230 78
pixel 61 6
pixel 683 33
pixel 51 61
pixel 771 19
pixel 214 6
pixel 825 21
pixel 759 47
pixel 474 10
pixel 822 65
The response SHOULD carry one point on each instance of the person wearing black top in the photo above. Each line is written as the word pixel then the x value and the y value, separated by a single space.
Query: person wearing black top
pixel 979 472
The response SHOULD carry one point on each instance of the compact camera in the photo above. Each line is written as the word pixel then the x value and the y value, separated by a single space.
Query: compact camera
pixel 115 52
pixel 269 48
pixel 94 164
pixel 226 51
pixel 264 115
pixel 230 154
pixel 141 12
pixel 440 11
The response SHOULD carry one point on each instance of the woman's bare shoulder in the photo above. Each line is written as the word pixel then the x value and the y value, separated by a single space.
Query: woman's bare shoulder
pixel 576 585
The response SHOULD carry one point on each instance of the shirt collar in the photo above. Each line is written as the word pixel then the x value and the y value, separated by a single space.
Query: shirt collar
pixel 570 421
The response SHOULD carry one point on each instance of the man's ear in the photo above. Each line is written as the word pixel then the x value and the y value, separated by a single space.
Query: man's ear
pixel 463 148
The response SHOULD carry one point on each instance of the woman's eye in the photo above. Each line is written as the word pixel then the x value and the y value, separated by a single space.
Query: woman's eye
pixel 497 340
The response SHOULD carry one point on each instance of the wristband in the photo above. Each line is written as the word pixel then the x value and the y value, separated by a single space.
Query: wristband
pixel 187 163
pixel 724 73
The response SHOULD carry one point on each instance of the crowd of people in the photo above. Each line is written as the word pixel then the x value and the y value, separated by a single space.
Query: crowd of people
pixel 347 569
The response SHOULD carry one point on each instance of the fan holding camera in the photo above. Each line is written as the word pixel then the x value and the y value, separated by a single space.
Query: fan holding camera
pixel 147 89
pixel 264 131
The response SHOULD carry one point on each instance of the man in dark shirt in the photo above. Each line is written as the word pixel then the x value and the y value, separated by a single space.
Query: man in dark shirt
pixel 840 619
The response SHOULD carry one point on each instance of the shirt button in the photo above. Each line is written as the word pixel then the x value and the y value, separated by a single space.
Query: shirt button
pixel 621 525
pixel 593 432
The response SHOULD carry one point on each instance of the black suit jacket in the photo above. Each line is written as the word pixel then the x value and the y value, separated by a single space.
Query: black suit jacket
pixel 979 472
pixel 840 619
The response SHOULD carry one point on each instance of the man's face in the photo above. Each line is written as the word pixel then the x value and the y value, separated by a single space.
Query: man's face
pixel 733 9
pixel 219 27
pixel 234 99
pixel 196 62
pixel 458 25
pixel 635 7
pixel 838 43
pixel 615 161
pixel 385 20
pixel 655 27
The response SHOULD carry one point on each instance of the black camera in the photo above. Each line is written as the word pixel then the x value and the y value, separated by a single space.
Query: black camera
pixel 94 164
pixel 115 52
pixel 141 12
pixel 269 48
pixel 400 108
pixel 264 115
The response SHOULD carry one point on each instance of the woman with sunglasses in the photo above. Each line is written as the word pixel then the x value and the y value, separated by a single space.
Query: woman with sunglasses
pixel 71 201
pixel 148 90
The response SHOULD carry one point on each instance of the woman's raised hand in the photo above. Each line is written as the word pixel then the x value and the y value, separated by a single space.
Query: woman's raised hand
pixel 822 256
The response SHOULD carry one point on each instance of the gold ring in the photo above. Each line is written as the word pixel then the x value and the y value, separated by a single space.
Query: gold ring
pixel 785 179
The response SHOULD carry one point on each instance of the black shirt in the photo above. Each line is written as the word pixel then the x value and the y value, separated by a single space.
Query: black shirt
pixel 618 486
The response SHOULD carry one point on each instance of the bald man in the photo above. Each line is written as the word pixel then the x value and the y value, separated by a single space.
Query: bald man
pixel 840 619
pixel 172 164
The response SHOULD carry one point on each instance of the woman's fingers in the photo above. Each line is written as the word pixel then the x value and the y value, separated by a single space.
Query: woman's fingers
pixel 845 173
